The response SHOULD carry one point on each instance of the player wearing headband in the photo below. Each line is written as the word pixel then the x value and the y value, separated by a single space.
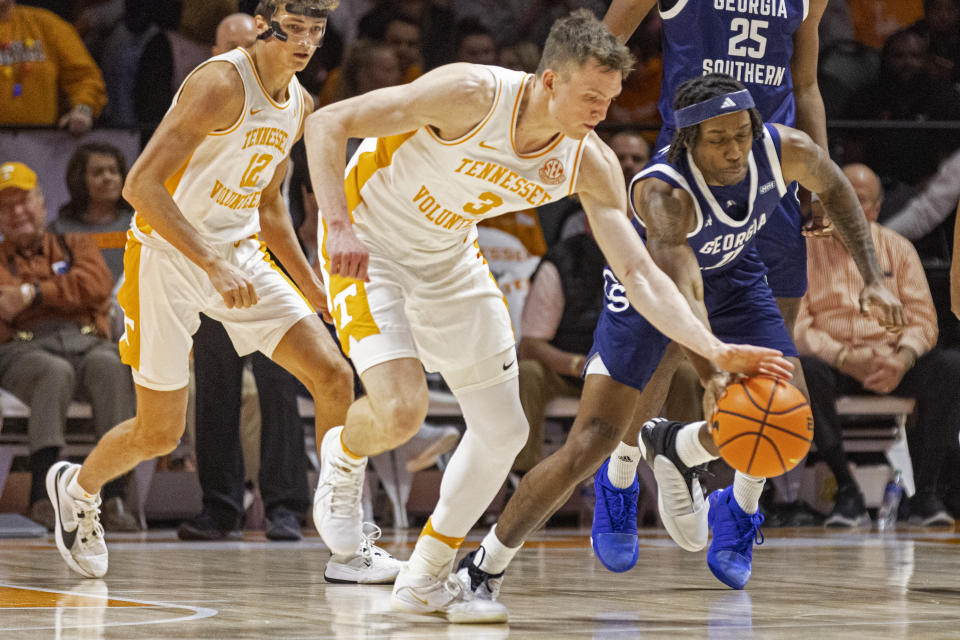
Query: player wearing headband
pixel 207 189
pixel 698 206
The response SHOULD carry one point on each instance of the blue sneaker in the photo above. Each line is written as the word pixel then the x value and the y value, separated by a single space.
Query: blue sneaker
pixel 614 532
pixel 731 552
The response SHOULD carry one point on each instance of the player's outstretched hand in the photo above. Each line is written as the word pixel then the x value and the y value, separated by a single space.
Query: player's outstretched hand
pixel 233 284
pixel 878 301
pixel 348 256
pixel 754 361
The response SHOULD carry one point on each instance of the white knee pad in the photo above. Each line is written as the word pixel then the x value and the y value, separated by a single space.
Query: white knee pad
pixel 494 415
pixel 486 373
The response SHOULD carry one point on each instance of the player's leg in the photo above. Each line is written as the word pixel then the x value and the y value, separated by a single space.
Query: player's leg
pixel 74 490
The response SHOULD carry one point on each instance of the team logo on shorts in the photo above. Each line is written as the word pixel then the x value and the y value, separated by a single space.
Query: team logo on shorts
pixel 552 171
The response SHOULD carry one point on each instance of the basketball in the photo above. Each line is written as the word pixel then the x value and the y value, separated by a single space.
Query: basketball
pixel 763 427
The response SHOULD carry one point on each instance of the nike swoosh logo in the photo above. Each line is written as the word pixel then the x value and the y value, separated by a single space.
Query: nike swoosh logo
pixel 68 537
pixel 417 598
pixel 484 145
pixel 254 112
pixel 508 365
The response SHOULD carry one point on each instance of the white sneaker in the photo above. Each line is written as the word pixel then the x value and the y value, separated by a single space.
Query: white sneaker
pixel 679 494
pixel 425 593
pixel 483 585
pixel 78 532
pixel 371 565
pixel 337 503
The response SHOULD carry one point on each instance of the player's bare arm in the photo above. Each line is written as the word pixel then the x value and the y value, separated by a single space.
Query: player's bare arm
pixel 624 16
pixel 277 231
pixel 452 99
pixel 808 163
pixel 651 292
pixel 211 100
pixel 811 117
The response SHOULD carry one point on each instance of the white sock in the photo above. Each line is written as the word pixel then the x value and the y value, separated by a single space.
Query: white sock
pixel 75 491
pixel 432 556
pixel 689 449
pixel 623 465
pixel 495 556
pixel 747 490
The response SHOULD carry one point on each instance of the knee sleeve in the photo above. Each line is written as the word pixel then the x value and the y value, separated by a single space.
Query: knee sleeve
pixel 483 374
pixel 494 415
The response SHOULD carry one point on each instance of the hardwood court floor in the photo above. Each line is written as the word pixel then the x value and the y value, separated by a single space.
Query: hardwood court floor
pixel 808 583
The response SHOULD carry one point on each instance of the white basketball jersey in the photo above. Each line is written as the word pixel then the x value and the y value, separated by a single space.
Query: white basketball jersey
pixel 218 189
pixel 417 194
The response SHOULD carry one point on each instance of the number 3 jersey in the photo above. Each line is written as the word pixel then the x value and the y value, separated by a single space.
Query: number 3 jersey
pixel 751 40
pixel 418 196
pixel 218 189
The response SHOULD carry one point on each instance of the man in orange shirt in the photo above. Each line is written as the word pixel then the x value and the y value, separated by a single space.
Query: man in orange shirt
pixel 41 56
pixel 843 351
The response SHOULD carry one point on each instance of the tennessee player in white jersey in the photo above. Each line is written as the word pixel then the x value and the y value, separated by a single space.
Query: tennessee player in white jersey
pixel 407 283
pixel 204 187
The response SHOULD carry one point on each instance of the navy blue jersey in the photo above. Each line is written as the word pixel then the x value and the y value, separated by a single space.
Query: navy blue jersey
pixel 739 302
pixel 751 40
pixel 727 218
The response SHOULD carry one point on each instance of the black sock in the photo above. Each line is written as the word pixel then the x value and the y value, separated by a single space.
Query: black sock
pixel 40 462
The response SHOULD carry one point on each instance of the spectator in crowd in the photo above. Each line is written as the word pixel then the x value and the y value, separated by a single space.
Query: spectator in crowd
pixel 95 175
pixel 522 56
pixel 369 65
pixel 941 24
pixel 218 372
pixel 54 292
pixel 906 90
pixel 403 35
pixel 475 43
pixel 435 19
pixel 641 90
pixel 875 20
pixel 41 57
pixel 843 351
pixel 933 205
pixel 955 269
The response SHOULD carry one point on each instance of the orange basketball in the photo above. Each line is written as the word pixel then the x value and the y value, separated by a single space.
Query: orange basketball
pixel 762 426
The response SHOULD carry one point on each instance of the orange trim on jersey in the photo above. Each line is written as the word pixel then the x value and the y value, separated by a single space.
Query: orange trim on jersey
pixel 368 164
pixel 350 307
pixel 450 541
pixel 513 126
pixel 273 265
pixel 235 126
pixel 476 130
pixel 503 296
pixel 576 166
pixel 173 181
pixel 142 224
pixel 129 298
pixel 260 84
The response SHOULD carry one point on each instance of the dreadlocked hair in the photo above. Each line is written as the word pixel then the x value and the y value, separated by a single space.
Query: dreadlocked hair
pixel 696 90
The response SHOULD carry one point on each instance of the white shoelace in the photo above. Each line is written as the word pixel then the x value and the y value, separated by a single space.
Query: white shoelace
pixel 88 518
pixel 369 534
pixel 346 488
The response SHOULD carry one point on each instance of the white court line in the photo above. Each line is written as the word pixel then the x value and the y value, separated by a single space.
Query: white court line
pixel 198 612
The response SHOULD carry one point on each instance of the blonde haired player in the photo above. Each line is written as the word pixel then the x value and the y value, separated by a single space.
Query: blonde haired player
pixel 408 285
pixel 204 187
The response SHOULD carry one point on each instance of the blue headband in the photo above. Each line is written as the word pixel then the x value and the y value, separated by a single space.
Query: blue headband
pixel 716 106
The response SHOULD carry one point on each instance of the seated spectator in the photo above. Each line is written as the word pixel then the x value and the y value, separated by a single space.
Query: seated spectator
pixel 941 25
pixel 522 56
pixel 95 176
pixel 559 316
pixel 435 19
pixel 54 301
pixel 512 245
pixel 41 57
pixel 933 205
pixel 403 36
pixel 844 351
pixel 475 43
pixel 906 90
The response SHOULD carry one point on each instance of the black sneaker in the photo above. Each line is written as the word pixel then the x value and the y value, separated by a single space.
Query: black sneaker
pixel 680 502
pixel 283 524
pixel 927 510
pixel 848 509
pixel 483 585
pixel 205 527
